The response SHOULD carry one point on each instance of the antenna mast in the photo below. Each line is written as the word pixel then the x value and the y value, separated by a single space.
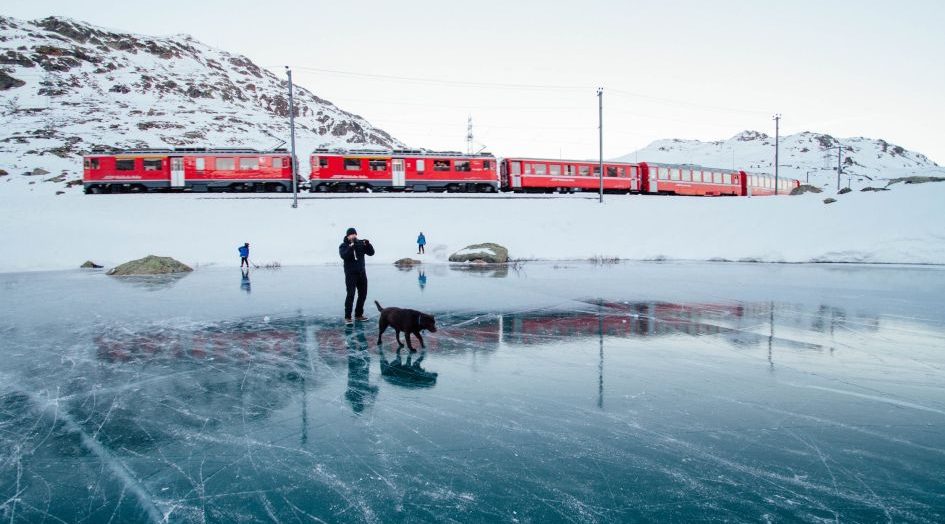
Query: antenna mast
pixel 469 136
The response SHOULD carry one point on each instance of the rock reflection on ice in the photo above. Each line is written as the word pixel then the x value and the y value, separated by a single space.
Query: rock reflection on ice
pixel 580 409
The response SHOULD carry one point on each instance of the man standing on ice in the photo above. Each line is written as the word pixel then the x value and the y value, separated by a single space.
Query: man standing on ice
pixel 353 250
pixel 421 242
pixel 244 255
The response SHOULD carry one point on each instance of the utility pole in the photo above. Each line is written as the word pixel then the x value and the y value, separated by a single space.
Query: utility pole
pixel 777 144
pixel 295 163
pixel 600 128
pixel 807 178
pixel 839 165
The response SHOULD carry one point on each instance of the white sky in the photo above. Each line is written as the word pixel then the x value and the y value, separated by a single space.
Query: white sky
pixel 670 69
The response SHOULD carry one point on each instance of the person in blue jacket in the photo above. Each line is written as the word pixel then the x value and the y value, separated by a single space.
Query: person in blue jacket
pixel 353 250
pixel 244 254
pixel 421 242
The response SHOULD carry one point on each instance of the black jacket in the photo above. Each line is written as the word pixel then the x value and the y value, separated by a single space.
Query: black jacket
pixel 354 255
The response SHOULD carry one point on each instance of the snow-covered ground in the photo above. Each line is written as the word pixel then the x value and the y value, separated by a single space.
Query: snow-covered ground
pixel 40 231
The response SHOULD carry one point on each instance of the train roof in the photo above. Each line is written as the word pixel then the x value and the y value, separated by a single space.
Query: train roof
pixel 691 166
pixel 399 152
pixel 567 160
pixel 186 150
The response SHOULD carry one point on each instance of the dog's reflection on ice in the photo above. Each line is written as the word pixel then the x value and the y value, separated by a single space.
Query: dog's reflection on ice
pixel 407 373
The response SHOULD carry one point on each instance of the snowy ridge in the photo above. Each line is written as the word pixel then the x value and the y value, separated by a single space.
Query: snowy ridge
pixel 67 86
pixel 863 159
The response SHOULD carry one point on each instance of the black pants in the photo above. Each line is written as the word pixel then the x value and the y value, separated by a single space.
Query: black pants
pixel 244 260
pixel 355 280
pixel 420 248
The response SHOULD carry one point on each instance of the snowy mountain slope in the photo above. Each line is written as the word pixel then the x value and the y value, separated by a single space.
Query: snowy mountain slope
pixel 67 86
pixel 864 159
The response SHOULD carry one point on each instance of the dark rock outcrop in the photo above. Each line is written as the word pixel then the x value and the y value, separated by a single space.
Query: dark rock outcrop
pixel 488 253
pixel 150 265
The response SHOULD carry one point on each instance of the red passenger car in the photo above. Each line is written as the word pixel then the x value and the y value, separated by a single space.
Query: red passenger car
pixel 568 176
pixel 187 169
pixel 365 169
pixel 672 179
pixel 763 185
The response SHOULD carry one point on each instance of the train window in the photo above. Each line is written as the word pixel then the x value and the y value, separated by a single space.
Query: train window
pixel 597 171
pixel 322 162
pixel 352 164
pixel 127 164
pixel 717 178
pixel 675 174
pixel 726 178
pixel 200 163
pixel 621 172
pixel 487 164
pixel 225 164
pixel 584 170
pixel 247 164
pixel 152 164
pixel 686 176
pixel 662 173
pixel 540 169
pixel 555 169
pixel 92 163
pixel 377 165
pixel 277 162
pixel 441 165
pixel 421 165
pixel 461 165
pixel 569 170
pixel 516 168
pixel 611 171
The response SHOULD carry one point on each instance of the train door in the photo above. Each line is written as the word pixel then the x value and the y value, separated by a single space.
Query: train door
pixel 651 178
pixel 516 174
pixel 177 171
pixel 398 176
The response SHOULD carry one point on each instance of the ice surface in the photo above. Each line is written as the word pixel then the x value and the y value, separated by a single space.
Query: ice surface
pixel 737 392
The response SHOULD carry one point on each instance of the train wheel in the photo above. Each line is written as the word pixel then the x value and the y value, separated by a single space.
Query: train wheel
pixel 278 188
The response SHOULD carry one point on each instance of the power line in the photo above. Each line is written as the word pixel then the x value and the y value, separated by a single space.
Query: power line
pixel 437 81
pixel 502 85
pixel 685 103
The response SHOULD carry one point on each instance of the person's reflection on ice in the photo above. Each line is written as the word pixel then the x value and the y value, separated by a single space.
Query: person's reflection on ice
pixel 360 392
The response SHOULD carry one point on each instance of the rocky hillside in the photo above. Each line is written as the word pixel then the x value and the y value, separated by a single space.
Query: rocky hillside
pixel 864 159
pixel 67 87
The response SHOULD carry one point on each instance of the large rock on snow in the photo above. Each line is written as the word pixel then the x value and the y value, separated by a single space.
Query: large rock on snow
pixel 489 253
pixel 406 263
pixel 150 265
pixel 804 188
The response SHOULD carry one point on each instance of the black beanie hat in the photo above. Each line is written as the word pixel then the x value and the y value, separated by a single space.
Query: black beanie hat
pixel 351 231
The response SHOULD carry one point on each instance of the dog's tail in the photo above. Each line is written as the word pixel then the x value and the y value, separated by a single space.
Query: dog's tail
pixel 378 304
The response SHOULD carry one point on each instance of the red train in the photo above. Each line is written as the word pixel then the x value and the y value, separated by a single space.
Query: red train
pixel 363 169
pixel 187 169
pixel 407 170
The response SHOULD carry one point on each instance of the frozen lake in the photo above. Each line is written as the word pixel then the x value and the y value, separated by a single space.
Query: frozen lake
pixel 563 392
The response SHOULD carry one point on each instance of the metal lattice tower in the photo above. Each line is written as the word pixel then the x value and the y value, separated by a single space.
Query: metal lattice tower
pixel 469 136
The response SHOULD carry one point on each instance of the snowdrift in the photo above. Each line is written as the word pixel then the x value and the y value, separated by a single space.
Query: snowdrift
pixel 44 232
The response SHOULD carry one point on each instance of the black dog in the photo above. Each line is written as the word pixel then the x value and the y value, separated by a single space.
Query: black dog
pixel 410 321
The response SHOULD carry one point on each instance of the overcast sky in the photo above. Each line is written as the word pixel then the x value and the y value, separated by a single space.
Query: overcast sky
pixel 527 71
